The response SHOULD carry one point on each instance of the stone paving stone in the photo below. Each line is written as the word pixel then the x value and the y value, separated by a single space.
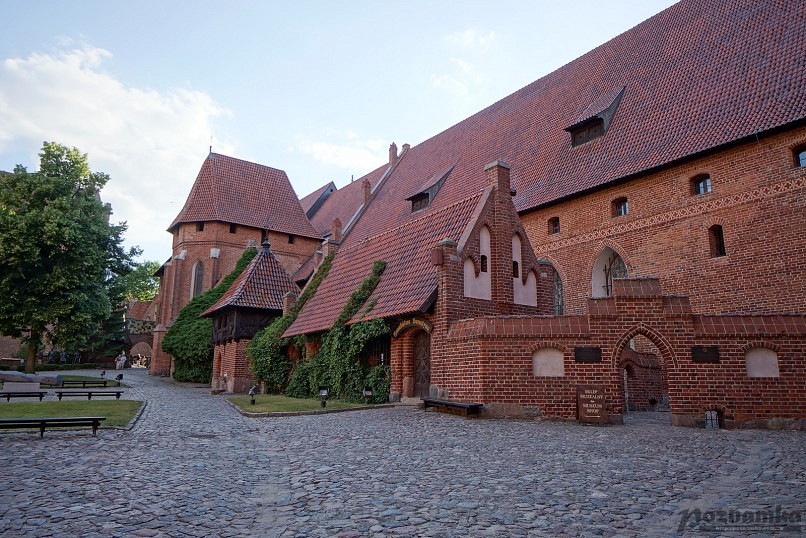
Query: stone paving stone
pixel 192 466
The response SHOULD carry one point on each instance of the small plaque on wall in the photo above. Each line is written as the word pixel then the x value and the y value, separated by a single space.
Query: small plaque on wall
pixel 705 354
pixel 588 354
pixel 591 408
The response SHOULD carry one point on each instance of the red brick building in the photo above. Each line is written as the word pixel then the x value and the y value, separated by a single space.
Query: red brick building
pixel 629 226
pixel 233 204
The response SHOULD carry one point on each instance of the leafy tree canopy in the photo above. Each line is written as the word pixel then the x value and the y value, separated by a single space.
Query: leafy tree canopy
pixel 61 260
pixel 141 284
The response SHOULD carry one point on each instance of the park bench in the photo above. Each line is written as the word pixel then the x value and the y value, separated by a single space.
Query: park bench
pixel 22 390
pixel 89 393
pixel 58 422
pixel 448 406
pixel 84 383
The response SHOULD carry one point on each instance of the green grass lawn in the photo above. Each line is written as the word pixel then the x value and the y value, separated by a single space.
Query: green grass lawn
pixel 117 412
pixel 272 403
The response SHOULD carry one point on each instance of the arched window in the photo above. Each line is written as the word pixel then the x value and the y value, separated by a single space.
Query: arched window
pixel 761 362
pixel 701 184
pixel 558 300
pixel 609 266
pixel 716 241
pixel 619 207
pixel 197 280
pixel 548 362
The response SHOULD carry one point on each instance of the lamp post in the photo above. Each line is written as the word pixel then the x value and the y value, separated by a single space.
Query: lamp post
pixel 323 393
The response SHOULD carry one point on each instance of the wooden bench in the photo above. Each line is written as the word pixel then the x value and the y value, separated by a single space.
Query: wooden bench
pixel 22 390
pixel 89 393
pixel 84 383
pixel 457 408
pixel 58 422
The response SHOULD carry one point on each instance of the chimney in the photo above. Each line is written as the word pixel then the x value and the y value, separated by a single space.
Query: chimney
pixel 498 176
pixel 368 187
pixel 289 300
pixel 392 153
pixel 335 230
pixel 406 147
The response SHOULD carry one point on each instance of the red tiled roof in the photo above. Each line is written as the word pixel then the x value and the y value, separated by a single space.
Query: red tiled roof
pixel 308 201
pixel 140 310
pixel 241 192
pixel 344 203
pixel 263 284
pixel 409 278
pixel 305 270
pixel 699 75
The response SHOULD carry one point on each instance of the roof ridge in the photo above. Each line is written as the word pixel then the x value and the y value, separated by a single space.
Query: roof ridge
pixel 411 222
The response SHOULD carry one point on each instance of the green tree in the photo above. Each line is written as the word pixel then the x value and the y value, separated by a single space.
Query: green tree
pixel 141 284
pixel 61 260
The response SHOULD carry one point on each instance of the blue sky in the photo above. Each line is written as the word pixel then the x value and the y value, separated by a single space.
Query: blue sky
pixel 316 88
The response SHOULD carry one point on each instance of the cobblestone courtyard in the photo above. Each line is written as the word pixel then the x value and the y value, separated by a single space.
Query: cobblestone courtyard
pixel 192 466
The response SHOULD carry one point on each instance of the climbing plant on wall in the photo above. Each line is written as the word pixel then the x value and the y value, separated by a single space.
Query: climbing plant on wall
pixel 190 338
pixel 338 363
pixel 267 350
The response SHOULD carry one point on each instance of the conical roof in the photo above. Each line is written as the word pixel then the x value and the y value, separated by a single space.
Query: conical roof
pixel 262 285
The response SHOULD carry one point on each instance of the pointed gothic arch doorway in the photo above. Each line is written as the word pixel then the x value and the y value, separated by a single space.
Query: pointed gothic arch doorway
pixel 643 376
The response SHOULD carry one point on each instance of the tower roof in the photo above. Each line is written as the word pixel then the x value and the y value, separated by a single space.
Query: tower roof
pixel 241 192
pixel 262 285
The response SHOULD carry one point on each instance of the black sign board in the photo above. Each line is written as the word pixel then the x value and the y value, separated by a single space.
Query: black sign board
pixel 588 354
pixel 705 354
pixel 591 408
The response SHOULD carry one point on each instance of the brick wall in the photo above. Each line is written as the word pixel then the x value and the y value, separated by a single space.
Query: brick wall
pixel 757 197
pixel 490 360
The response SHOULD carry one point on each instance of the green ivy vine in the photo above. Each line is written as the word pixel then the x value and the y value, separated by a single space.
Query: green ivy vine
pixel 267 350
pixel 338 363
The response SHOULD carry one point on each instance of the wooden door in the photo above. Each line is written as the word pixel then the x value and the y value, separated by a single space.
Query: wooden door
pixel 422 364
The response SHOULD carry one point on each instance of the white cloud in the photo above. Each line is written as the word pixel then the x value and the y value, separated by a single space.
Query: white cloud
pixel 151 143
pixel 349 151
pixel 470 39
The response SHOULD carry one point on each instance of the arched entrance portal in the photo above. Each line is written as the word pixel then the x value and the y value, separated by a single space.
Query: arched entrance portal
pixel 421 347
pixel 643 360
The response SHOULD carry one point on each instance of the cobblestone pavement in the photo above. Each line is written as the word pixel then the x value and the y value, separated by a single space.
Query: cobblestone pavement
pixel 192 466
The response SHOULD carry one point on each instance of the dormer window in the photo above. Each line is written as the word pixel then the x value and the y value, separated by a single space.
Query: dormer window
pixel 588 132
pixel 595 120
pixel 620 207
pixel 420 202
pixel 701 184
pixel 426 194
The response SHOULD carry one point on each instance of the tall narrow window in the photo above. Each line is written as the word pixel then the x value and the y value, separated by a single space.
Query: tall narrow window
pixel 197 280
pixel 620 207
pixel 515 270
pixel 716 241
pixel 483 263
pixel 291 238
pixel 554 225
pixel 558 301
pixel 701 184
pixel 800 156
pixel 232 228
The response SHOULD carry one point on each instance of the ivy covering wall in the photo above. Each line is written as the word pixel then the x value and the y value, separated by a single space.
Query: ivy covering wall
pixel 267 350
pixel 338 364
pixel 190 338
